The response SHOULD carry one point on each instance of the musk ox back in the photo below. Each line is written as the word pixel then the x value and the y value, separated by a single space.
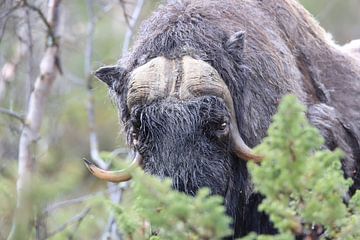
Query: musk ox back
pixel 203 80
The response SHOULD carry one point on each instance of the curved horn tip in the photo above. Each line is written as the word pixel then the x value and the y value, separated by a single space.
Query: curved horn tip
pixel 256 158
pixel 89 165
pixel 246 155
pixel 112 176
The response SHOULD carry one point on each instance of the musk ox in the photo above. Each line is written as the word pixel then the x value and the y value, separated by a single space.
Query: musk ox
pixel 203 80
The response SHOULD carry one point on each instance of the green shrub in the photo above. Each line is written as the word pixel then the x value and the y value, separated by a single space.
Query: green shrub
pixel 303 184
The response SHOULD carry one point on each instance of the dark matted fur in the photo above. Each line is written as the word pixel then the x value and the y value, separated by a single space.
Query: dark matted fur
pixel 285 51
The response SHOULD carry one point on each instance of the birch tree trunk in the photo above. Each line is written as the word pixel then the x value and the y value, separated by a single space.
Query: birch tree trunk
pixel 49 68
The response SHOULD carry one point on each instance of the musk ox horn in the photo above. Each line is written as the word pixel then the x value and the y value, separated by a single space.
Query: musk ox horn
pixel 151 81
pixel 239 146
pixel 113 176
pixel 202 79
pixel 185 79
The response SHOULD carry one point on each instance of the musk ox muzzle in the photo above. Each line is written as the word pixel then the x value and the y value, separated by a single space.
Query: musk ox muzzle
pixel 184 79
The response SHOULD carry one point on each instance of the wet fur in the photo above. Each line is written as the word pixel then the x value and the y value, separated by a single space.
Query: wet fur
pixel 285 51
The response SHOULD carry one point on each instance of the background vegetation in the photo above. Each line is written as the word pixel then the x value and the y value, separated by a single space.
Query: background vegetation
pixel 64 201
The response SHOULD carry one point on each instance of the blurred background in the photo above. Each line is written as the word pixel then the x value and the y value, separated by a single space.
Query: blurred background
pixel 93 34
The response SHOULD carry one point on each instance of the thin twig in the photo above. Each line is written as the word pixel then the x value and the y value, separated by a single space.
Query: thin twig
pixel 6 15
pixel 49 28
pixel 11 10
pixel 30 63
pixel 40 227
pixel 94 149
pixel 75 219
pixel 116 197
pixel 13 114
pixel 126 16
pixel 133 20
pixel 3 28
pixel 77 200
pixel 71 236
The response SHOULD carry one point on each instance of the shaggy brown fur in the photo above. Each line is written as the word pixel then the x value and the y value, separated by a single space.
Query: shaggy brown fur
pixel 286 51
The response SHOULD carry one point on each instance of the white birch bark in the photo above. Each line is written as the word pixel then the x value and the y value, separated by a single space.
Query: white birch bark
pixel 49 68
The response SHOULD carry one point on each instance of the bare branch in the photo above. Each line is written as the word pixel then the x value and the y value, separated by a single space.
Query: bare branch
pixel 77 219
pixel 13 114
pixel 77 225
pixel 10 10
pixel 94 149
pixel 6 14
pixel 30 62
pixel 126 16
pixel 48 23
pixel 40 227
pixel 65 203
pixel 111 230
pixel 73 201
pixel 116 197
pixel 133 20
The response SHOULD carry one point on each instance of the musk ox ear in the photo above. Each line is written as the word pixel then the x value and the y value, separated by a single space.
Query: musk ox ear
pixel 109 74
pixel 235 44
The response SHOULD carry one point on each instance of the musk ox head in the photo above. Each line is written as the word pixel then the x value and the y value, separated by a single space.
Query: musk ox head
pixel 183 126
pixel 183 123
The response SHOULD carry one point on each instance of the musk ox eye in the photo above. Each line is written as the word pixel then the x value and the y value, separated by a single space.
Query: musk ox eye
pixel 134 135
pixel 222 130
pixel 223 126
pixel 134 138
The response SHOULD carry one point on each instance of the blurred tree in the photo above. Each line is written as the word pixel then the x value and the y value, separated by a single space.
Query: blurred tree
pixel 340 18
pixel 49 68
